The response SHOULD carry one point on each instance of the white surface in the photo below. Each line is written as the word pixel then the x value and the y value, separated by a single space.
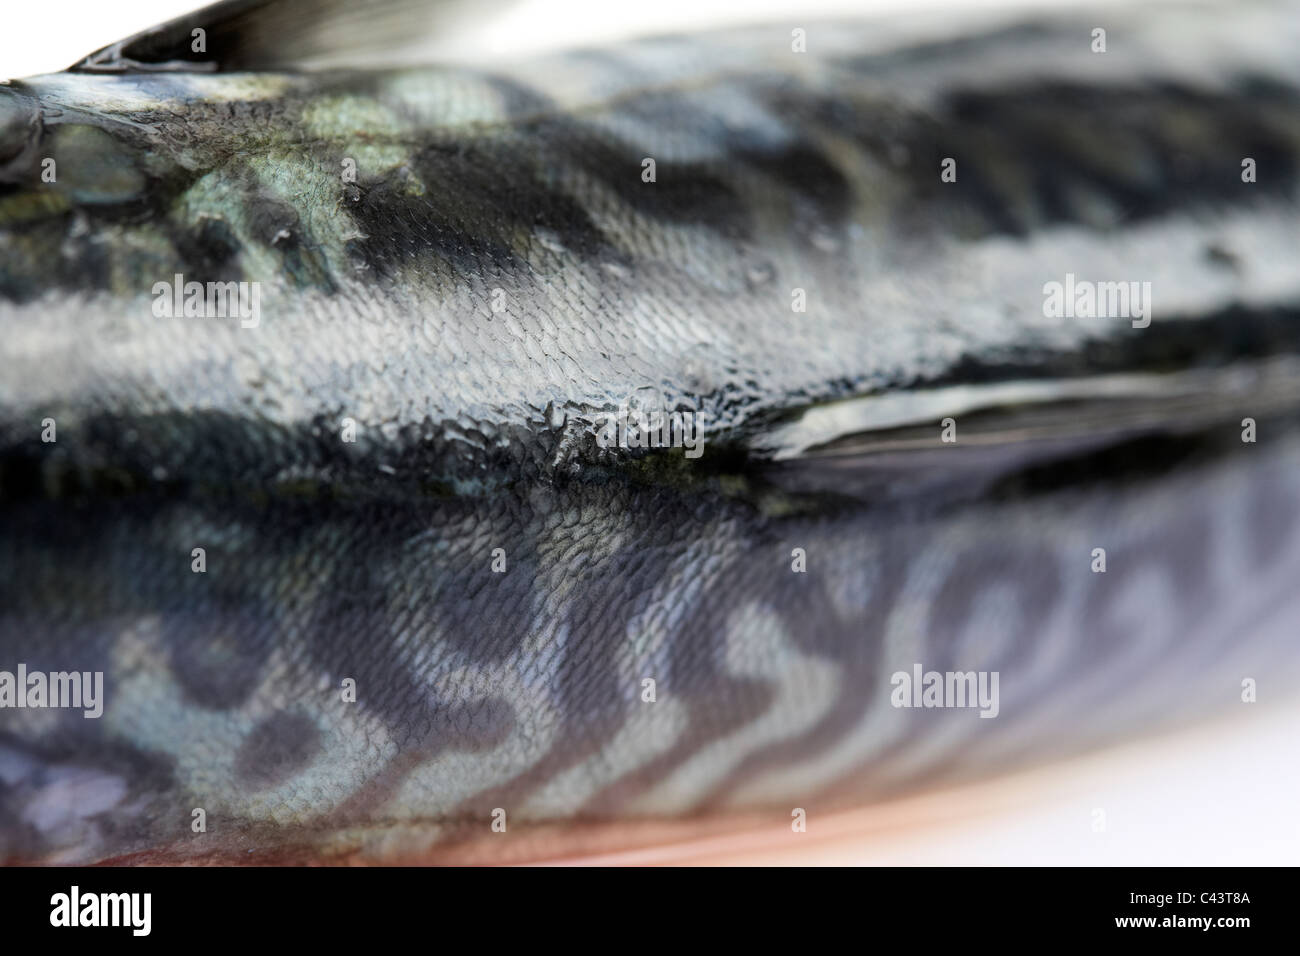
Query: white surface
pixel 51 35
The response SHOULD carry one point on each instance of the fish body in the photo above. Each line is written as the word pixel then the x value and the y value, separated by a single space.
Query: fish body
pixel 364 577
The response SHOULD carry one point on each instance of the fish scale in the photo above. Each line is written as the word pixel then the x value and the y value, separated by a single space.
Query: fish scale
pixel 477 429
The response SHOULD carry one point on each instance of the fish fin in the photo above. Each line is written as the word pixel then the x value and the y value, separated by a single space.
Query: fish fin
pixel 252 35
pixel 959 440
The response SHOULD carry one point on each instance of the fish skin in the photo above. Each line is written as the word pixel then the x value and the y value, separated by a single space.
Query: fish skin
pixel 373 560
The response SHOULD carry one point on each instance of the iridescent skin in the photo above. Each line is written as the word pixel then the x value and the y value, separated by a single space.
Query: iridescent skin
pixel 372 561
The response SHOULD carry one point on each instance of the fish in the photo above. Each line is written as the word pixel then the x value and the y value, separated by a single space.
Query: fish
pixel 406 460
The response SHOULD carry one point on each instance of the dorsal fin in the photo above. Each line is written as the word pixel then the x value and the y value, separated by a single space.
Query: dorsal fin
pixel 292 35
